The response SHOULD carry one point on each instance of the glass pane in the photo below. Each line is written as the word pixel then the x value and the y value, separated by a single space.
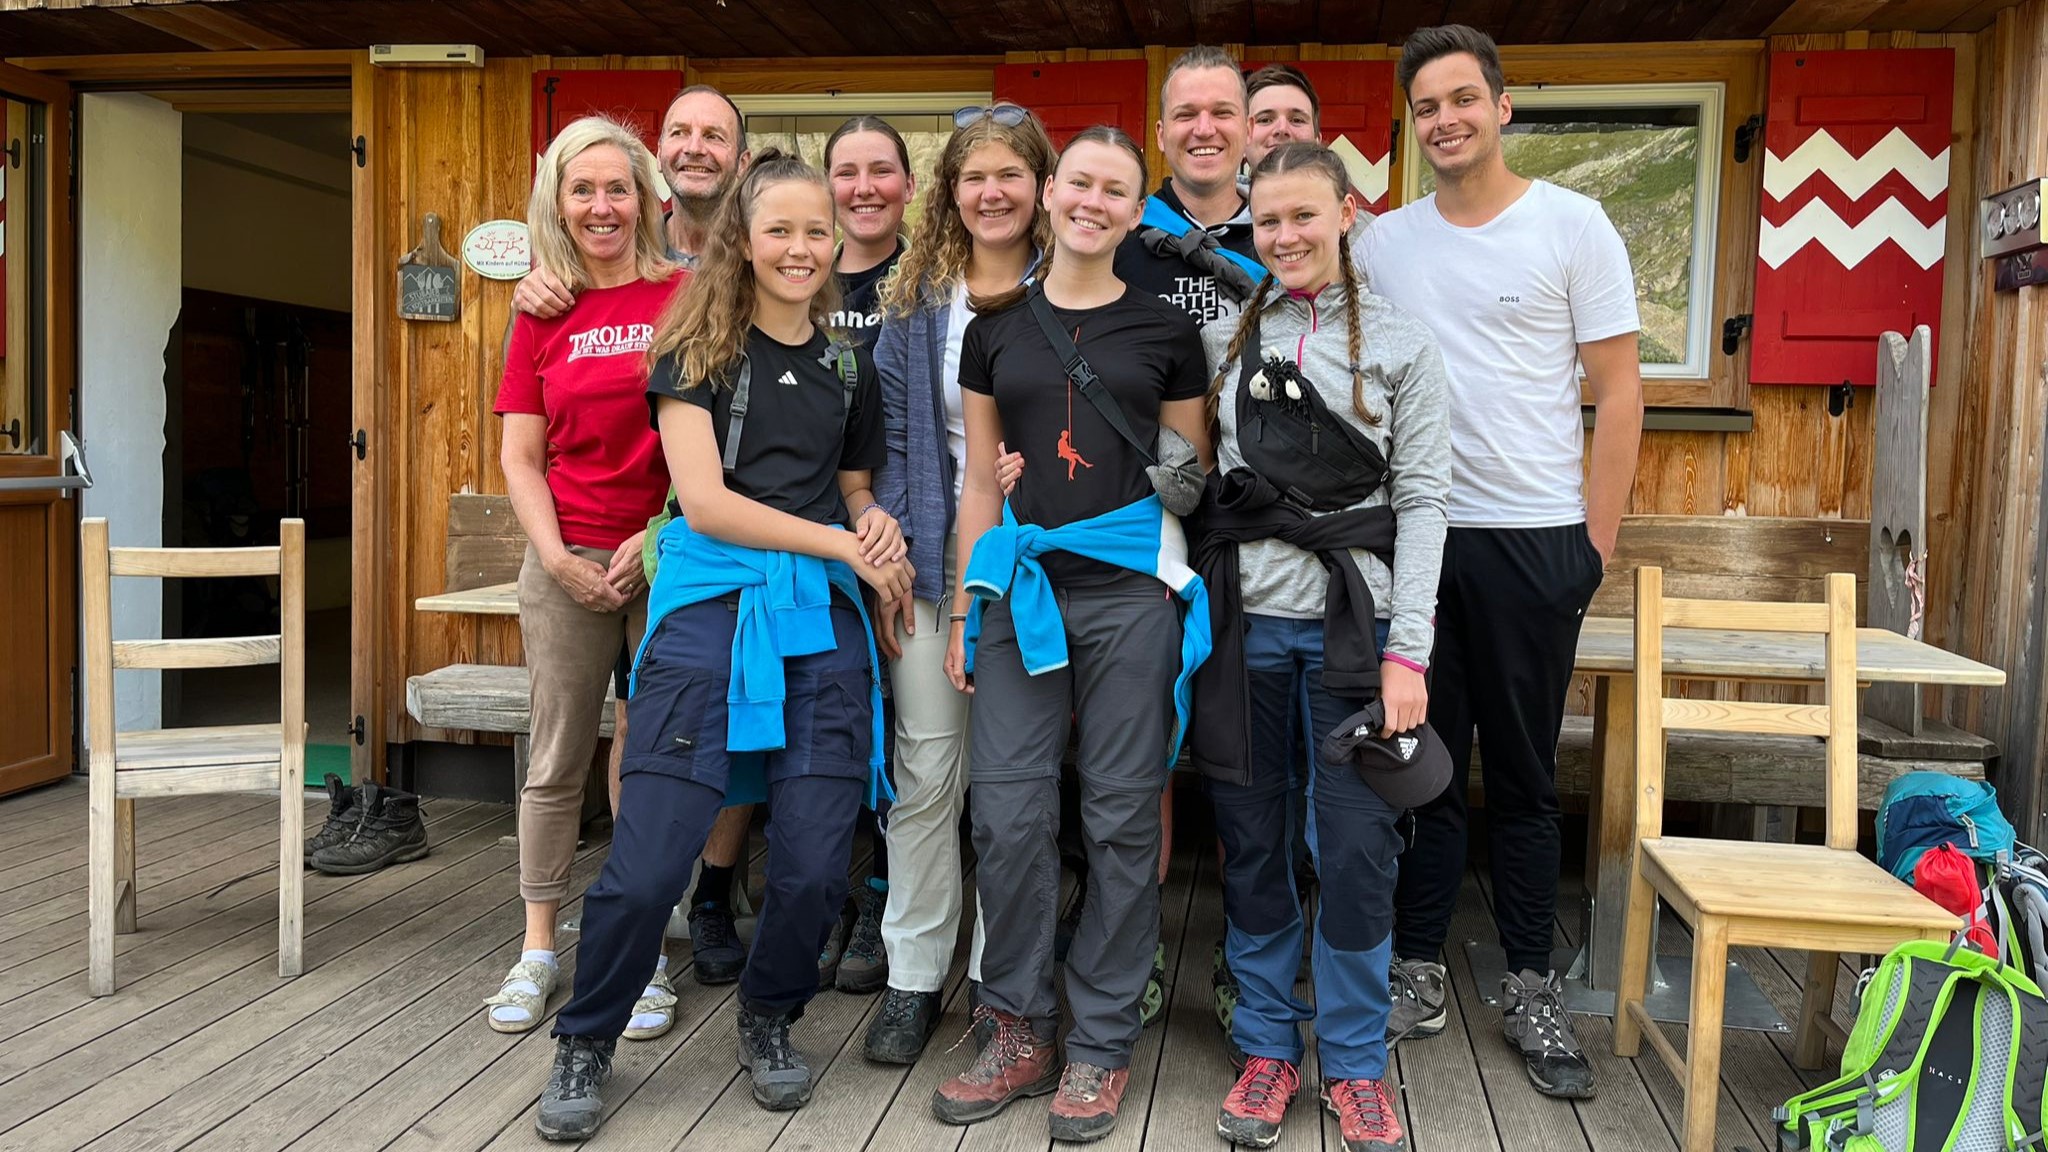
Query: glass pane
pixel 1642 164
pixel 21 383
pixel 925 135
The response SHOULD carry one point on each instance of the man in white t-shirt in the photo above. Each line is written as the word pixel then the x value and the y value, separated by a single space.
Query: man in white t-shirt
pixel 1525 284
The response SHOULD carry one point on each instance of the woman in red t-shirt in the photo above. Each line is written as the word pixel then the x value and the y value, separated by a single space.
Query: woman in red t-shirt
pixel 584 469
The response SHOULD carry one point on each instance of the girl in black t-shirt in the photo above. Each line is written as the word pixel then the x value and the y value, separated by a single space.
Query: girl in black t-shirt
pixel 758 668
pixel 1121 634
pixel 869 167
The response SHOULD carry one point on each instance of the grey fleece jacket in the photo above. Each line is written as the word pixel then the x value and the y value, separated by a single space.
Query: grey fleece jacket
pixel 1406 387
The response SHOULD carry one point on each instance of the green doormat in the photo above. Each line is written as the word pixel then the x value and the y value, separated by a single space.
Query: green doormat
pixel 324 758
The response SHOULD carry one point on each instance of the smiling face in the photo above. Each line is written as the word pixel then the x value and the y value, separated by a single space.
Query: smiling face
pixel 1457 118
pixel 789 240
pixel 1279 113
pixel 1094 198
pixel 600 205
pixel 869 186
pixel 1202 127
pixel 1298 225
pixel 996 192
pixel 700 151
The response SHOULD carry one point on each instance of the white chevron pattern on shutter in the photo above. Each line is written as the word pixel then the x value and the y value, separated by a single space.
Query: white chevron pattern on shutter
pixel 1818 223
pixel 1856 175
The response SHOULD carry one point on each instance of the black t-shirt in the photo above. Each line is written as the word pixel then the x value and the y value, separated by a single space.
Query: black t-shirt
pixel 798 435
pixel 1173 279
pixel 860 311
pixel 1078 467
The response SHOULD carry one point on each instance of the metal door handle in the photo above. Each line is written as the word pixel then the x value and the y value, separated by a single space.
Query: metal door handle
pixel 76 476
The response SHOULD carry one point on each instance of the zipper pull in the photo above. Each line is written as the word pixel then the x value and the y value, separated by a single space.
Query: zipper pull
pixel 1315 439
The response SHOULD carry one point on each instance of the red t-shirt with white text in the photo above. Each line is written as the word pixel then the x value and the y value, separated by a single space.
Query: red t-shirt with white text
pixel 586 371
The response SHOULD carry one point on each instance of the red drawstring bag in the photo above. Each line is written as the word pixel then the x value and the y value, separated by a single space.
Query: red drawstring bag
pixel 1949 878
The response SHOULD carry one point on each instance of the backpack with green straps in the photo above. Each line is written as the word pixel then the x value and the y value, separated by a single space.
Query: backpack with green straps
pixel 1949 1054
pixel 841 355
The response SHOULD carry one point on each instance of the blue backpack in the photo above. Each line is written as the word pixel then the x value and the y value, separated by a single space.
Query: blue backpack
pixel 1924 810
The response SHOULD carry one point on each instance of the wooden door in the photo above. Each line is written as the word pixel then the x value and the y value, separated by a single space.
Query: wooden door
pixel 38 505
pixel 1072 96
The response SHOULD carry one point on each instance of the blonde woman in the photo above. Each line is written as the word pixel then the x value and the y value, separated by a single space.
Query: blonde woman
pixel 585 473
pixel 979 234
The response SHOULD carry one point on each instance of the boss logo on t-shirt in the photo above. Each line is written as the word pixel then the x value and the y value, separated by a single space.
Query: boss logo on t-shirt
pixel 611 340
pixel 1511 299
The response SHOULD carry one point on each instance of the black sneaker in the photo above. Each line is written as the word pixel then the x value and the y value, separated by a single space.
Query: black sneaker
pixel 782 1081
pixel 864 968
pixel 343 815
pixel 1537 1025
pixel 715 952
pixel 902 1027
pixel 570 1108
pixel 389 832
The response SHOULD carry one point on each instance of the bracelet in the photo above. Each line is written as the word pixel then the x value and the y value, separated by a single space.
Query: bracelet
pixel 957 617
pixel 870 508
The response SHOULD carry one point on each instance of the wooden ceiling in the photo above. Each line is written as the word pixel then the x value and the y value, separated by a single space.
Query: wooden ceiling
pixel 782 28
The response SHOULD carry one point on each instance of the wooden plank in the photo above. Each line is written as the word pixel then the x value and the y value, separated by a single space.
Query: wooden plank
pixel 1744 615
pixel 1935 741
pixel 1761 546
pixel 485 698
pixel 486 600
pixel 67 853
pixel 198 747
pixel 369 397
pixel 1607 645
pixel 1898 511
pixel 194 562
pixel 483 561
pixel 211 652
pixel 1746 717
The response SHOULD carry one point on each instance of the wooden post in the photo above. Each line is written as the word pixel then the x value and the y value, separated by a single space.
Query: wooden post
pixel 1898 513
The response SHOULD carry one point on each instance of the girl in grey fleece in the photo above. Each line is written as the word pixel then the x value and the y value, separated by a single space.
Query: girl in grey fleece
pixel 1378 368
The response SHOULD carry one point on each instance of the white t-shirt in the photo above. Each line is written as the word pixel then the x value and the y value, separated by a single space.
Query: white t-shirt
pixel 956 420
pixel 1511 301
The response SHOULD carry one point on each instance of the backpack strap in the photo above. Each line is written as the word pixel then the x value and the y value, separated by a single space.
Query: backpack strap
pixel 1080 374
pixel 1167 232
pixel 2030 1069
pixel 841 356
pixel 737 412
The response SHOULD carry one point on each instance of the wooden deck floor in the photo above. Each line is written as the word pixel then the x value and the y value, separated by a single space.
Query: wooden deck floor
pixel 381 1045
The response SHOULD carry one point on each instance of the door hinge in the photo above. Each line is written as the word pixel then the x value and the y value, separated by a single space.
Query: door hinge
pixel 359 730
pixel 360 148
pixel 1745 137
pixel 13 153
pixel 1394 142
pixel 360 441
pixel 1731 332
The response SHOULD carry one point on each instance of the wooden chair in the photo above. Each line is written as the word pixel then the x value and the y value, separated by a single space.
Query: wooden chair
pixel 1824 898
pixel 165 762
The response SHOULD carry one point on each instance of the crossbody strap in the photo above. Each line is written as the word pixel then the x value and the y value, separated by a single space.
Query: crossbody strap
pixel 737 412
pixel 1081 375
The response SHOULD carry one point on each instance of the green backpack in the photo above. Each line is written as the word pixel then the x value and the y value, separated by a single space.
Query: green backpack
pixel 840 355
pixel 1949 1054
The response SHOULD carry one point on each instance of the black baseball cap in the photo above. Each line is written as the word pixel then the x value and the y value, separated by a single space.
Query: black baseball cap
pixel 1407 769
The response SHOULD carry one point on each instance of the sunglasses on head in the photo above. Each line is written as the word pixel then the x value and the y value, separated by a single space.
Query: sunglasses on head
pixel 1007 115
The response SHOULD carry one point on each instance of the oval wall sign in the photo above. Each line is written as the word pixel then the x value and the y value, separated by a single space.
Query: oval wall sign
pixel 498 249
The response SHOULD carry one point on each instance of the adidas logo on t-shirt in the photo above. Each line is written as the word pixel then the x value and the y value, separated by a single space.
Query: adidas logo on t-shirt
pixel 786 378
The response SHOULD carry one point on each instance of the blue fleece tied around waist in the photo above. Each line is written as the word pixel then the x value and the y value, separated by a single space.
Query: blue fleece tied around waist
pixel 1141 537
pixel 785 610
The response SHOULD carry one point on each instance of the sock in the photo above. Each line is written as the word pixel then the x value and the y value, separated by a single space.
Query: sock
pixel 650 1019
pixel 509 1014
pixel 714 885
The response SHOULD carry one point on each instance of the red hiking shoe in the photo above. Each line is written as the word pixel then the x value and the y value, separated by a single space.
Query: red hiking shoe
pixel 1013 1064
pixel 1253 1111
pixel 1365 1115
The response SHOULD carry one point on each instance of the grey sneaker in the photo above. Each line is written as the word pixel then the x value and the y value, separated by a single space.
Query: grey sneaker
pixel 834 950
pixel 782 1081
pixel 570 1108
pixel 1417 987
pixel 1537 1025
pixel 864 967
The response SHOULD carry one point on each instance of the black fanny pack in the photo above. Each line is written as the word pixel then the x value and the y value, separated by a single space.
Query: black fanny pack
pixel 1289 436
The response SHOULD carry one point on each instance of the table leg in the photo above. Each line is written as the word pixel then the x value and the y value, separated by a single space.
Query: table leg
pixel 1611 828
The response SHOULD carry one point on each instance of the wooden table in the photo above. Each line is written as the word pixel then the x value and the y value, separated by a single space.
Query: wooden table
pixel 1607 653
pixel 490 600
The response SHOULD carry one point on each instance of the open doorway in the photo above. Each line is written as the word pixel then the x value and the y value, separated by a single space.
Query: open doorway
pixel 257 390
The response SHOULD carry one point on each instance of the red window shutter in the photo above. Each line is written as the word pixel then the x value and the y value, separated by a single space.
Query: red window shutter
pixel 1073 96
pixel 1855 209
pixel 1357 101
pixel 635 98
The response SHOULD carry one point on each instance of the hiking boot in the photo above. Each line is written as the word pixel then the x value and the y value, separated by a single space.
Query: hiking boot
pixel 1070 921
pixel 715 953
pixel 1417 991
pixel 1153 1005
pixel 342 816
pixel 1014 1063
pixel 1365 1115
pixel 865 966
pixel 570 1108
pixel 982 1017
pixel 1253 1111
pixel 835 946
pixel 1223 989
pixel 1085 1108
pixel 1537 1025
pixel 782 1081
pixel 903 1026
pixel 390 831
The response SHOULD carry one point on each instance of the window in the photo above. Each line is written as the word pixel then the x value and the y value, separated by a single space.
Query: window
pixel 802 124
pixel 1650 154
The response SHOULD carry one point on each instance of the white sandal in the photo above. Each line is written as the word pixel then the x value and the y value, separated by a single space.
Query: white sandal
pixel 512 994
pixel 659 999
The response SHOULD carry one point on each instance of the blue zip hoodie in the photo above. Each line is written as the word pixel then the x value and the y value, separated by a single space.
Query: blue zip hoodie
pixel 785 610
pixel 1141 536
